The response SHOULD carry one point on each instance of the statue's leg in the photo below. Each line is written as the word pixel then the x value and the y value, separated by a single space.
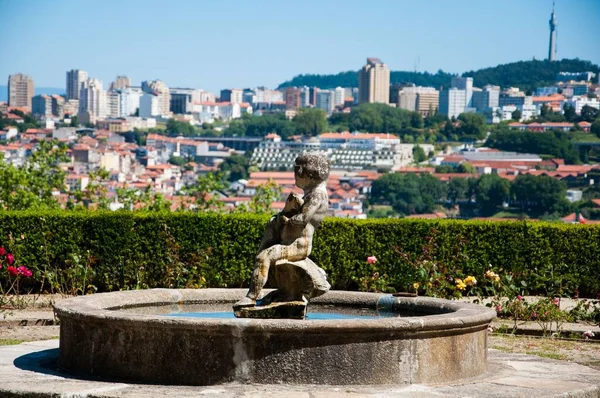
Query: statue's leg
pixel 263 262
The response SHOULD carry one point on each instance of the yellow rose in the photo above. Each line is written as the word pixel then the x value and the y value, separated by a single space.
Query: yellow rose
pixel 470 281
pixel 416 285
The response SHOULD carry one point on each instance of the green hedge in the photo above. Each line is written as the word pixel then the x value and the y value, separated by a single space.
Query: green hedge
pixel 123 250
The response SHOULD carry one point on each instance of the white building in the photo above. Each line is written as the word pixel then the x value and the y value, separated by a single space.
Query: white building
pixel 489 97
pixel 140 123
pixel 150 105
pixel 325 100
pixel 130 100
pixel 208 112
pixel 93 103
pixel 464 83
pixel 579 102
pixel 75 78
pixel 161 90
pixel 453 102
pixel 339 95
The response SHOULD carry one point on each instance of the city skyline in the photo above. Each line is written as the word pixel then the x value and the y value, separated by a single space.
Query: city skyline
pixel 216 46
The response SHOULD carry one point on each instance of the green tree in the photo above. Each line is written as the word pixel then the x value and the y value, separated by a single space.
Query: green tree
pixel 94 194
pixel 264 197
pixel 589 114
pixel 490 193
pixel 176 128
pixel 206 190
pixel 74 121
pixel 310 121
pixel 554 143
pixel 458 189
pixel 465 167
pixel 516 115
pixel 595 128
pixel 235 167
pixel 32 185
pixel 407 193
pixel 569 113
pixel 540 194
pixel 472 125
pixel 177 161
pixel 418 154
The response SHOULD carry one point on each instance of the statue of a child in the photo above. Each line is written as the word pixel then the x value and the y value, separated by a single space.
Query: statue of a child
pixel 296 232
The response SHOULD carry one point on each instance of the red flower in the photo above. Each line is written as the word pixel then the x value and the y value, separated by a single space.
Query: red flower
pixel 12 270
pixel 10 259
pixel 2 251
pixel 24 271
pixel 371 259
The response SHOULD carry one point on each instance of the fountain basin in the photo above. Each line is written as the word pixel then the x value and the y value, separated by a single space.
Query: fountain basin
pixel 447 342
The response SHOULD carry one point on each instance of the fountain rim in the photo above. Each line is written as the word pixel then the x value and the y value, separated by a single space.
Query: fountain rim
pixel 102 307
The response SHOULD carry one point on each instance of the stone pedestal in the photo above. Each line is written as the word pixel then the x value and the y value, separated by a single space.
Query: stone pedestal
pixel 296 283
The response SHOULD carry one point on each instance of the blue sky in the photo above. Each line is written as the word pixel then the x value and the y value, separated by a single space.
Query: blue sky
pixel 214 44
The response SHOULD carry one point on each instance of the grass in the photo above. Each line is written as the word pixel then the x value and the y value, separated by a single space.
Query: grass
pixel 545 354
pixel 583 352
pixel 11 341
pixel 579 136
pixel 509 214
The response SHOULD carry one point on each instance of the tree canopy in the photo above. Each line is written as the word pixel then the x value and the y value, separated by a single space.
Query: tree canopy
pixel 526 75
pixel 554 143
pixel 539 194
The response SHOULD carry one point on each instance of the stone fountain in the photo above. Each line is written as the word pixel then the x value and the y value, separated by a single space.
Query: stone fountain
pixel 140 336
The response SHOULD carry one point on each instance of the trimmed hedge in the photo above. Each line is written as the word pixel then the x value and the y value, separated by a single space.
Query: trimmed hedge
pixel 127 250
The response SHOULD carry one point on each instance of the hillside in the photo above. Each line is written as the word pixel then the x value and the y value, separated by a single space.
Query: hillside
pixel 523 74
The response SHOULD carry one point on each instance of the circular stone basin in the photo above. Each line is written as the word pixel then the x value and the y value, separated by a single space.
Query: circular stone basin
pixel 122 335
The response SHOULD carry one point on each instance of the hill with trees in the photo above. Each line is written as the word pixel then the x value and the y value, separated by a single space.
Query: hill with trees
pixel 526 75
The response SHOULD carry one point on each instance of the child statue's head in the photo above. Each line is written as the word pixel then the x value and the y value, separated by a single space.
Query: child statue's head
pixel 313 166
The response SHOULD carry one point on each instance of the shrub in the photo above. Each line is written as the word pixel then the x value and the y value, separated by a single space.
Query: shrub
pixel 128 250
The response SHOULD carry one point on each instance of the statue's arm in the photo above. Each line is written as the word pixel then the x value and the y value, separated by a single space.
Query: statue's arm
pixel 310 207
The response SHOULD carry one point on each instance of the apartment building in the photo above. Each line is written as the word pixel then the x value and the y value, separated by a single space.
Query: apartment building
pixel 374 82
pixel 75 78
pixel 20 90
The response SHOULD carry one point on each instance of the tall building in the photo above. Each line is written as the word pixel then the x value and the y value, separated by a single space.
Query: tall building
pixel 304 96
pixel 452 102
pixel 150 105
pixel 325 100
pixel 41 106
pixel 553 25
pixel 20 90
pixel 161 90
pixel 130 100
pixel 312 96
pixel 75 78
pixel 374 82
pixel 113 103
pixel 464 83
pixel 292 98
pixel 489 97
pixel 58 106
pixel 120 83
pixel 93 103
pixel 339 95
